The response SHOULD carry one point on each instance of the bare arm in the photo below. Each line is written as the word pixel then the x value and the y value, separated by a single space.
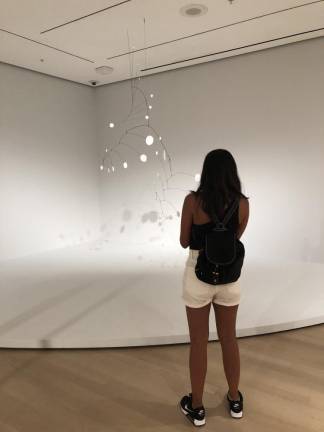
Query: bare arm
pixel 244 212
pixel 186 221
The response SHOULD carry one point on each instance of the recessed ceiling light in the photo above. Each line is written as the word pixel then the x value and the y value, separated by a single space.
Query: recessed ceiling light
pixel 104 70
pixel 194 10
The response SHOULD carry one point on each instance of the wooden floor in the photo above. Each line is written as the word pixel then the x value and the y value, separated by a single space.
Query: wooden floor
pixel 138 389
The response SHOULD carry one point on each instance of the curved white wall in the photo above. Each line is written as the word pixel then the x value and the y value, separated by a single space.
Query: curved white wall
pixel 266 107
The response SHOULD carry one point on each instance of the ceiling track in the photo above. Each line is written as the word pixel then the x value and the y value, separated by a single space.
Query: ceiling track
pixel 215 29
pixel 47 46
pixel 233 49
pixel 86 16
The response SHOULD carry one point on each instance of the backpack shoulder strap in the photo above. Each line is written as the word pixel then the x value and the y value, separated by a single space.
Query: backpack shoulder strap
pixel 228 214
pixel 214 217
pixel 231 211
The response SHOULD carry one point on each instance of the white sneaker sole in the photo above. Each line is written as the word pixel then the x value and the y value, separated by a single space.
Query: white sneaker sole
pixel 236 415
pixel 195 422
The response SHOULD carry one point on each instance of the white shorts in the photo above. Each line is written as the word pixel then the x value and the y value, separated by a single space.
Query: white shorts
pixel 197 293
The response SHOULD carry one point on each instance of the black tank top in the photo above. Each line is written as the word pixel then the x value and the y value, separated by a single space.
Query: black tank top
pixel 198 231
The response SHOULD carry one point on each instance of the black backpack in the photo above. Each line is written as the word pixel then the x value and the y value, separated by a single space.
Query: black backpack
pixel 221 260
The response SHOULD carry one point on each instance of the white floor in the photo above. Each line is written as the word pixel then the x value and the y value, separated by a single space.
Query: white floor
pixel 88 296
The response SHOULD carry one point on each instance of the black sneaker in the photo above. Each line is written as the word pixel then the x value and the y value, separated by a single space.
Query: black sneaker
pixel 236 407
pixel 197 415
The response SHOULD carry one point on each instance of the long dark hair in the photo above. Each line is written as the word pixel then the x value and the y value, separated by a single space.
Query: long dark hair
pixel 220 183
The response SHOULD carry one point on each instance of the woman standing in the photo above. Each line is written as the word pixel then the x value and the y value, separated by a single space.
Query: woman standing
pixel 219 186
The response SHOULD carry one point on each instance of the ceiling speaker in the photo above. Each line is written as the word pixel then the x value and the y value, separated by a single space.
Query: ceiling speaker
pixel 194 10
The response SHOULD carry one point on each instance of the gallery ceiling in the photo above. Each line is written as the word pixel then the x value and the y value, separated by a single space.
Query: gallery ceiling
pixel 71 38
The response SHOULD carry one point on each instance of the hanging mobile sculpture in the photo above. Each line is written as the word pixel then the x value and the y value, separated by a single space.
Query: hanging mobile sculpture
pixel 140 112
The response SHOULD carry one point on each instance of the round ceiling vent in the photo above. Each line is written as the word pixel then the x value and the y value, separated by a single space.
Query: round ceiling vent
pixel 194 10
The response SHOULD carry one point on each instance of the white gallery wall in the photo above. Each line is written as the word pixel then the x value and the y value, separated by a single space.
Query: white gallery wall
pixel 125 288
pixel 267 108
pixel 48 163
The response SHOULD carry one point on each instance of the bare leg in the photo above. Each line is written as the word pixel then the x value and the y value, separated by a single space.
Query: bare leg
pixel 226 329
pixel 198 322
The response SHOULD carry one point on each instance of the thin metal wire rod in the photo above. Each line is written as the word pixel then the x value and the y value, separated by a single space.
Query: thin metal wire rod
pixel 117 154
pixel 135 134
